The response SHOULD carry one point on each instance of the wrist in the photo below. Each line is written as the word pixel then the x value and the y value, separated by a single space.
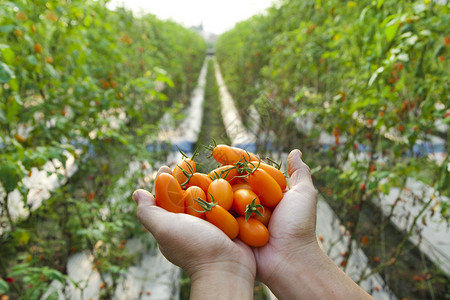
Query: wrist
pixel 311 274
pixel 291 266
pixel 222 281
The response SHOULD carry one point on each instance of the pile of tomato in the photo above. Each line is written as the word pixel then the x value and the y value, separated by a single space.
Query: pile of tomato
pixel 238 197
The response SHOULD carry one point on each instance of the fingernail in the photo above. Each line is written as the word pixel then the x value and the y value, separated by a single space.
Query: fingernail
pixel 297 153
pixel 136 196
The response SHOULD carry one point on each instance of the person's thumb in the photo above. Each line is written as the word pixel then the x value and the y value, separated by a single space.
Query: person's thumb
pixel 151 216
pixel 298 171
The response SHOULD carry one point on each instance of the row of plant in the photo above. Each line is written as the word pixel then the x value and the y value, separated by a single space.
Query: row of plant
pixel 76 77
pixel 373 75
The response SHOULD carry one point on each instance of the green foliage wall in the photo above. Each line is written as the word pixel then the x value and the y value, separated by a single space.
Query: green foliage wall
pixel 77 77
pixel 373 75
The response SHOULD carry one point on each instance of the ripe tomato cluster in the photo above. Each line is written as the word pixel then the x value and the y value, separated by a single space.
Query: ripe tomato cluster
pixel 238 197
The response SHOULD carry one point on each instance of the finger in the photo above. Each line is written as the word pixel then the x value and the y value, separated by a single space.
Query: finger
pixel 141 195
pixel 298 171
pixel 163 169
pixel 148 213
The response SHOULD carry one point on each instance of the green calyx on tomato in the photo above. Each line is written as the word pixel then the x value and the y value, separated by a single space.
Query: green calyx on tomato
pixel 188 174
pixel 243 167
pixel 274 163
pixel 253 208
pixel 222 172
pixel 207 206
pixel 186 167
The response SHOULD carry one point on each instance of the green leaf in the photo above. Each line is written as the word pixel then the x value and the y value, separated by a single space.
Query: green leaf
pixel 54 274
pixel 13 110
pixel 31 59
pixel 380 3
pixel 4 288
pixel 375 75
pixel 7 53
pixel 52 71
pixel 9 175
pixel 372 185
pixel 5 73
pixel 390 31
pixel 13 84
pixel 6 28
pixel 385 188
pixel 22 237
pixel 2 116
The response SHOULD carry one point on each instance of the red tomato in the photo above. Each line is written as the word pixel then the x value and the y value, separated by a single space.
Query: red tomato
pixel 187 165
pixel 228 155
pixel 201 180
pixel 242 185
pixel 227 172
pixel 272 171
pixel 223 220
pixel 266 214
pixel 168 193
pixel 252 232
pixel 191 206
pixel 220 191
pixel 242 198
pixel 267 189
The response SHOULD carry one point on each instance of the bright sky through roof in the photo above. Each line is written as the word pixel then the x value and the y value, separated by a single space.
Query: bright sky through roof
pixel 216 16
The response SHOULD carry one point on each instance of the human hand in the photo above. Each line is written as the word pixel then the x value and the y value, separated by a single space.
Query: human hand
pixel 292 226
pixel 292 264
pixel 214 263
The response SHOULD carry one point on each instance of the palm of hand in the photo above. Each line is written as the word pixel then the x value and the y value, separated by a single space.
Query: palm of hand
pixel 195 243
pixel 190 242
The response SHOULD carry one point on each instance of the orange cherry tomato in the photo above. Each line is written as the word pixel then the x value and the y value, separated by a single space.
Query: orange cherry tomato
pixel 266 214
pixel 191 205
pixel 252 232
pixel 242 185
pixel 227 172
pixel 267 189
pixel 220 191
pixel 228 155
pixel 201 180
pixel 187 165
pixel 225 221
pixel 242 198
pixel 168 193
pixel 274 172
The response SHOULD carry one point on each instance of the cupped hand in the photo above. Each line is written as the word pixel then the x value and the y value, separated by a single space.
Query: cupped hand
pixel 292 225
pixel 195 245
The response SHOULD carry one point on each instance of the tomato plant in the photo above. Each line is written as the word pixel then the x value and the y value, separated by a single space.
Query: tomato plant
pixel 367 99
pixel 81 86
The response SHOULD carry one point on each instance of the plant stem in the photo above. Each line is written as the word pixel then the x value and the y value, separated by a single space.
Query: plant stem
pixel 400 246
pixel 8 214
